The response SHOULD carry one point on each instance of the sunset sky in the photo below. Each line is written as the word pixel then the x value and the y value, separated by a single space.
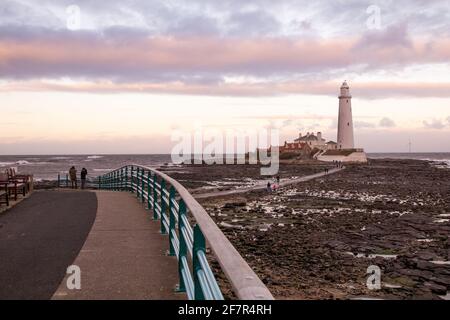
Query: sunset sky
pixel 85 76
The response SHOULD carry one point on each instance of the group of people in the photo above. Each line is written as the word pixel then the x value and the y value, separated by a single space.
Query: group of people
pixel 273 186
pixel 338 164
pixel 73 177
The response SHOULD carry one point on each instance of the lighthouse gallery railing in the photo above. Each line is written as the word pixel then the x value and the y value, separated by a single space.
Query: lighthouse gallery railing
pixel 175 207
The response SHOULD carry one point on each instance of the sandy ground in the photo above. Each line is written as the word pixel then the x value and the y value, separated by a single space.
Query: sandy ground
pixel 316 239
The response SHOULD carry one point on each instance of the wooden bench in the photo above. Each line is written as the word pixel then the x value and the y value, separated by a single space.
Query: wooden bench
pixel 16 184
pixel 4 192
pixel 22 178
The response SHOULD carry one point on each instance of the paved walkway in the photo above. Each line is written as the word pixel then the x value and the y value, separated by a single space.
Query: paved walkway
pixel 109 235
pixel 124 256
pixel 263 185
pixel 39 238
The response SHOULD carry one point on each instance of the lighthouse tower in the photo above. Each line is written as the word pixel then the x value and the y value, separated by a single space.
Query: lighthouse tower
pixel 345 121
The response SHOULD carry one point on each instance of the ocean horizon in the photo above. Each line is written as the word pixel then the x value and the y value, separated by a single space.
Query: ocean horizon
pixel 47 167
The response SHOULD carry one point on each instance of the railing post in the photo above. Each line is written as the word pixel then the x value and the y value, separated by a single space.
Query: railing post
pixel 182 250
pixel 171 220
pixel 149 190
pixel 126 179
pixel 142 184
pixel 130 187
pixel 138 171
pixel 199 245
pixel 99 182
pixel 121 179
pixel 155 198
pixel 59 180
pixel 67 180
pixel 134 178
pixel 163 205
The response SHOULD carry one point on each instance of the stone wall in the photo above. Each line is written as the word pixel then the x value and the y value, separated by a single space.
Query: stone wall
pixel 359 157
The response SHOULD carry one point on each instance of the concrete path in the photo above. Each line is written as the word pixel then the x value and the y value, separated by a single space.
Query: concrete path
pixel 263 185
pixel 39 238
pixel 124 256
pixel 109 235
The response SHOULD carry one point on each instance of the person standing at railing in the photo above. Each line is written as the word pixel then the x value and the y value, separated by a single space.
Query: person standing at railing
pixel 83 175
pixel 73 177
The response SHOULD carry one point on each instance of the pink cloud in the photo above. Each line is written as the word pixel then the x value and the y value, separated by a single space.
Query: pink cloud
pixel 100 57
pixel 198 65
pixel 369 90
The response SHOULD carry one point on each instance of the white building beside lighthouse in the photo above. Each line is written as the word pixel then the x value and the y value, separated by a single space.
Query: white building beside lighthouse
pixel 346 151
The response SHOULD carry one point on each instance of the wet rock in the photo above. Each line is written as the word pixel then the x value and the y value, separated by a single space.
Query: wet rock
pixel 416 274
pixel 436 288
pixel 426 256
pixel 308 255
pixel 444 281
pixel 232 205
pixel 425 265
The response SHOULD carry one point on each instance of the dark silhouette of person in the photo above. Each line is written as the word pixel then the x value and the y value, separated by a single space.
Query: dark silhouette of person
pixel 73 177
pixel 83 175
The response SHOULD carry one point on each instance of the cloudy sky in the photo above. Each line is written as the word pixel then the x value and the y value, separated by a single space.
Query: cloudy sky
pixel 120 76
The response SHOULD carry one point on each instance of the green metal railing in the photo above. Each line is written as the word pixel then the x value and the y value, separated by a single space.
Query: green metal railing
pixel 63 181
pixel 175 207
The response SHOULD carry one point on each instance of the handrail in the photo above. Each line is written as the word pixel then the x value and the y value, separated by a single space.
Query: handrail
pixel 63 180
pixel 171 203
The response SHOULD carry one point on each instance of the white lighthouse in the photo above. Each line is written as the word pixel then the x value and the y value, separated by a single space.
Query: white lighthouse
pixel 345 150
pixel 345 120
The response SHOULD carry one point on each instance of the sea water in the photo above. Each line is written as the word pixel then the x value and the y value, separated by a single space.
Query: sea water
pixel 436 157
pixel 47 167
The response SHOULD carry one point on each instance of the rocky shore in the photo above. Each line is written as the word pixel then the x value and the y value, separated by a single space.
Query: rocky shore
pixel 316 239
pixel 210 178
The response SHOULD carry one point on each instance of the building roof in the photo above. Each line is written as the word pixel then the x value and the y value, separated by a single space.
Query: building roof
pixel 331 142
pixel 310 137
pixel 299 144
